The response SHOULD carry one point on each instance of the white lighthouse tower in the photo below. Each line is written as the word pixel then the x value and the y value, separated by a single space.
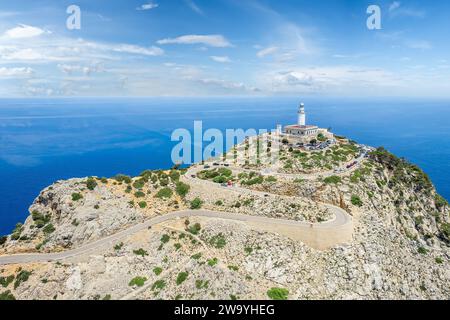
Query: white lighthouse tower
pixel 301 115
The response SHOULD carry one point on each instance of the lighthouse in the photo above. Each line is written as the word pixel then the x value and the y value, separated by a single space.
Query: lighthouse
pixel 301 115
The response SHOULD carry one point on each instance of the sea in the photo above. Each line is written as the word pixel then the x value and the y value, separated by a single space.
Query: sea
pixel 45 140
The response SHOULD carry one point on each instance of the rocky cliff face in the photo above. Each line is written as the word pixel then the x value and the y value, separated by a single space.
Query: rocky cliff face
pixel 400 247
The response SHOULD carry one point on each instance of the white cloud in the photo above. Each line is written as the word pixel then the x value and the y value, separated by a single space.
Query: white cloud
pixel 23 31
pixel 127 48
pixel 215 40
pixel 147 6
pixel 194 7
pixel 221 59
pixel 267 51
pixel 419 44
pixel 394 5
pixel 15 72
pixel 396 9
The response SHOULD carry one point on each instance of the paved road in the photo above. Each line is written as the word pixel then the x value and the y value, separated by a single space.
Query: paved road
pixel 341 218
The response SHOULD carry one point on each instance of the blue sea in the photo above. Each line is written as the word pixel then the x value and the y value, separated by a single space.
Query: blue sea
pixel 44 140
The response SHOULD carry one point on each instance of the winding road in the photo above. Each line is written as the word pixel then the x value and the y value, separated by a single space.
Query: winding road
pixel 335 231
pixel 341 218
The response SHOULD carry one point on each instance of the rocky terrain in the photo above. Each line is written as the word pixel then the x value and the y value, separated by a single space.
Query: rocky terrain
pixel 400 246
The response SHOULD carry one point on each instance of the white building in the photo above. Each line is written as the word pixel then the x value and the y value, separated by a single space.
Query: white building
pixel 301 129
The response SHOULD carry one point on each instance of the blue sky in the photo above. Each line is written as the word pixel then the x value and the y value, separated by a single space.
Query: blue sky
pixel 224 47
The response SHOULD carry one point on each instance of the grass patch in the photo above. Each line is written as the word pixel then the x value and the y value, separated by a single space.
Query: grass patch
pixel 278 293
pixel 182 276
pixel 140 252
pixel 356 201
pixel 157 270
pixel 137 281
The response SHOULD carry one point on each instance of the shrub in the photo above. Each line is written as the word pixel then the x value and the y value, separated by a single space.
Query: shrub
pixel 356 201
pixel 76 196
pixel 278 293
pixel 332 180
pixel 157 270
pixel 440 202
pixel 3 240
pixel 21 277
pixel 164 193
pixel 6 281
pixel 196 203
pixel 422 250
pixel 248 250
pixel 160 284
pixel 195 229
pixel 91 184
pixel 201 284
pixel 212 262
pixel 271 179
pixel 139 184
pixel 233 268
pixel 7 295
pixel 165 238
pixel 196 256
pixel 122 178
pixel 48 229
pixel 137 281
pixel 182 189
pixel 220 179
pixel 118 246
pixel 174 175
pixel 439 260
pixel 139 194
pixel 39 219
pixel 142 204
pixel 182 276
pixel 218 241
pixel 219 203
pixel 17 231
pixel 140 252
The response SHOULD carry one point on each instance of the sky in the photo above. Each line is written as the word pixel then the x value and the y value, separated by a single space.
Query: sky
pixel 202 48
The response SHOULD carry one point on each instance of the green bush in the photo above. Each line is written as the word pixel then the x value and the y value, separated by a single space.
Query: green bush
pixel 140 252
pixel 439 260
pixel 212 262
pixel 160 284
pixel 6 281
pixel 278 294
pixel 422 250
pixel 157 270
pixel 271 179
pixel 219 203
pixel 195 229
pixel 137 281
pixel 182 276
pixel 165 238
pixel 196 203
pixel 142 204
pixel 39 219
pixel 332 180
pixel 182 189
pixel 164 193
pixel 17 231
pixel 91 184
pixel 3 240
pixel 356 201
pixel 139 194
pixel 48 229
pixel 139 184
pixel 220 179
pixel 218 241
pixel 76 196
pixel 123 178
pixel 174 175
pixel 196 256
pixel 7 295
pixel 21 277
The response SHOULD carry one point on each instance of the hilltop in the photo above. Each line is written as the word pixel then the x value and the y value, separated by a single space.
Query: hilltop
pixel 342 222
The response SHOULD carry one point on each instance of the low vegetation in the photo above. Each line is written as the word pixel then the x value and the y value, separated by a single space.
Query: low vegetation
pixel 137 281
pixel 278 294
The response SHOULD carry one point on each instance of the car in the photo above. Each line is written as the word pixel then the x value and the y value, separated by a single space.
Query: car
pixel 215 164
pixel 193 176
pixel 266 195
pixel 206 167
pixel 226 164
pixel 224 184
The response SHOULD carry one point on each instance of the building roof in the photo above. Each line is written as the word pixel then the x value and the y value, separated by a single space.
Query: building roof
pixel 296 126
